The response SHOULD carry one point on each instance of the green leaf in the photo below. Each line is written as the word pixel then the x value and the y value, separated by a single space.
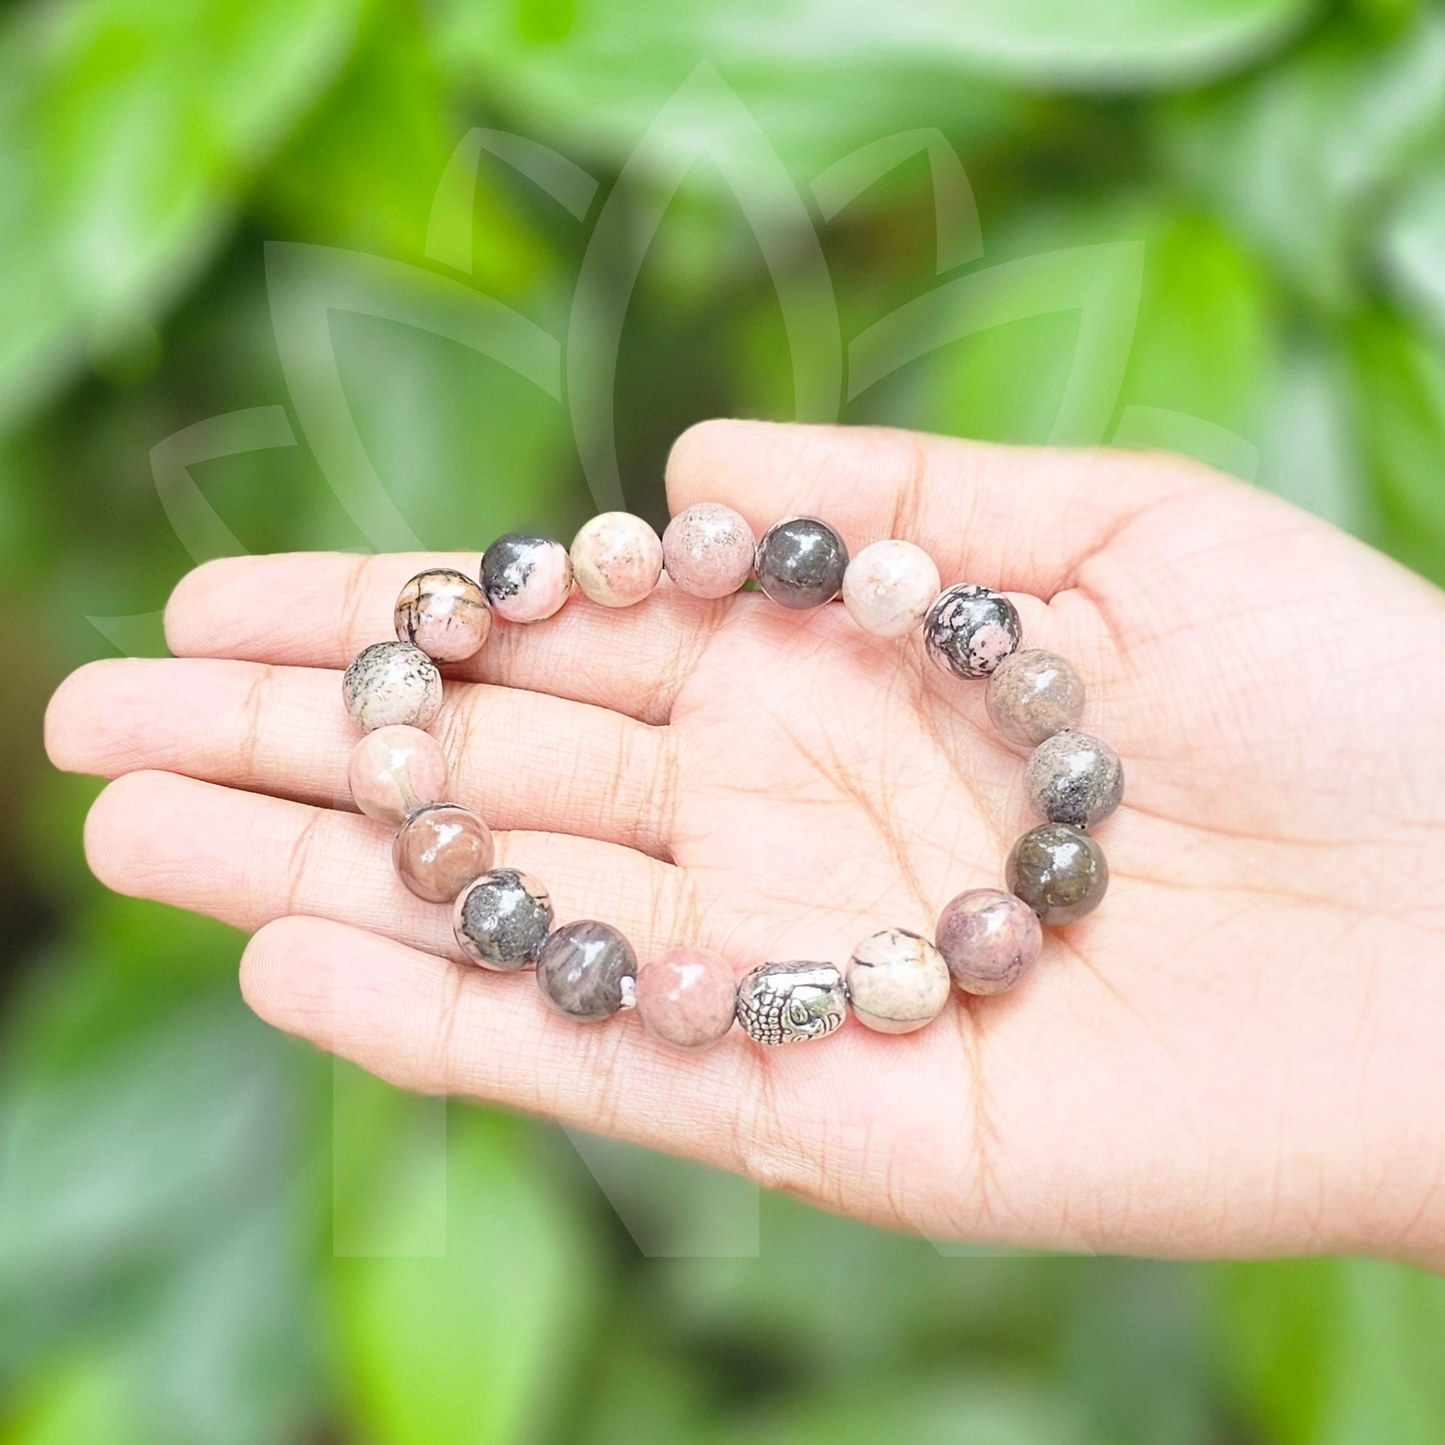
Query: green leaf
pixel 1305 159
pixel 1400 407
pixel 1335 1351
pixel 127 133
pixel 469 1347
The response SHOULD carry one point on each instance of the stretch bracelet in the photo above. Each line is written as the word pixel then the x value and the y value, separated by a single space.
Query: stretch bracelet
pixel 896 981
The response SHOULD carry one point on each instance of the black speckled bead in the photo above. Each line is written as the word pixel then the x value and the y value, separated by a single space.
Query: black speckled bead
pixel 800 563
pixel 587 971
pixel 970 629
pixel 1074 778
pixel 502 920
pixel 1059 871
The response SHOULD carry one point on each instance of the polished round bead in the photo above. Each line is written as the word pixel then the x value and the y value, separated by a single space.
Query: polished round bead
pixel 687 997
pixel 889 586
pixel 502 919
pixel 440 849
pixel 587 971
pixel 708 550
pixel 970 629
pixel 800 563
pixel 1074 778
pixel 897 981
pixel 1032 695
pixel 444 613
pixel 392 684
pixel 790 1003
pixel 1059 871
pixel 989 939
pixel 526 578
pixel 394 771
pixel 616 559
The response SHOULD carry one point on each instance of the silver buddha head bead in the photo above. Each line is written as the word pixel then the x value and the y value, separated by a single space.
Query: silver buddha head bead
pixel 787 1003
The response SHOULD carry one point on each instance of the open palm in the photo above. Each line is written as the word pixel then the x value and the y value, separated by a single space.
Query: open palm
pixel 1237 1053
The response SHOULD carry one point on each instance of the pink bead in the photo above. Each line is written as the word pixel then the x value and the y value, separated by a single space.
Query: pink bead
pixel 444 613
pixel 989 939
pixel 889 587
pixel 616 559
pixel 686 998
pixel 708 550
pixel 394 771
pixel 440 849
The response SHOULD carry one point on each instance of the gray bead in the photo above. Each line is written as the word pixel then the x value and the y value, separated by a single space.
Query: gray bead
pixel 587 971
pixel 1032 695
pixel 502 919
pixel 788 1003
pixel 392 684
pixel 1074 778
pixel 1059 871
pixel 800 563
pixel 970 629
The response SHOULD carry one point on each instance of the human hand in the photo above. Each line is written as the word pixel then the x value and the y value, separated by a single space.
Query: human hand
pixel 1238 1053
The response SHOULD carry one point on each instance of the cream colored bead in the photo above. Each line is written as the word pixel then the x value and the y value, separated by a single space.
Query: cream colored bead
pixel 897 981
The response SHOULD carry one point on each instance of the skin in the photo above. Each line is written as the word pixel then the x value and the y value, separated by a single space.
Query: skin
pixel 1239 1053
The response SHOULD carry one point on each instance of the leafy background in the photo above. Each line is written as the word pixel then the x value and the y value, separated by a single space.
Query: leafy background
pixel 213 1236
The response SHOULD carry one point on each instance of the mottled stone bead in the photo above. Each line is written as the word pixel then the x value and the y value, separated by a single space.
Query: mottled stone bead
pixel 1032 695
pixel 989 939
pixel 616 559
pixel 394 771
pixel 440 849
pixel 1059 871
pixel 970 629
pixel 800 563
pixel 708 550
pixel 889 586
pixel 444 613
pixel 687 997
pixel 502 919
pixel 897 981
pixel 789 1003
pixel 526 578
pixel 1074 778
pixel 392 684
pixel 587 971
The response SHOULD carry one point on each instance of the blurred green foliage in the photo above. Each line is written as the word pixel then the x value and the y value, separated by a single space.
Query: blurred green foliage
pixel 211 1236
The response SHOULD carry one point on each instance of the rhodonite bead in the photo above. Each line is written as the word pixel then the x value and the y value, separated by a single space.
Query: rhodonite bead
pixel 1059 871
pixel 800 563
pixel 888 587
pixel 526 578
pixel 897 981
pixel 616 559
pixel 989 939
pixel 687 997
pixel 970 629
pixel 394 771
pixel 440 849
pixel 502 919
pixel 1074 778
pixel 392 684
pixel 586 971
pixel 444 613
pixel 789 1003
pixel 708 550
pixel 1032 695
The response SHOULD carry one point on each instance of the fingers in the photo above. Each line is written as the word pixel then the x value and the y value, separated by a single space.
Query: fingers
pixel 1016 518
pixel 248 859
pixel 319 609
pixel 522 759
pixel 795 1119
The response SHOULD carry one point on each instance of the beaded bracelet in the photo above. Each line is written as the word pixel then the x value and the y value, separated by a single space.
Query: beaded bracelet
pixel 895 981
